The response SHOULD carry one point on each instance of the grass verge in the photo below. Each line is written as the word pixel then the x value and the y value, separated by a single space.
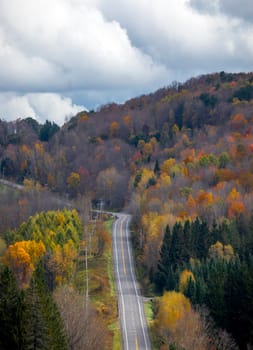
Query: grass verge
pixel 102 289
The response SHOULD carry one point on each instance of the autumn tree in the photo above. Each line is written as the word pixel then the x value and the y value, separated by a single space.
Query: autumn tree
pixel 22 257
pixel 185 277
pixel 73 182
pixel 220 251
pixel 172 307
pixel 114 127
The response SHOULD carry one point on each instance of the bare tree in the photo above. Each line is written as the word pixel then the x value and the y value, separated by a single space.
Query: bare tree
pixel 85 329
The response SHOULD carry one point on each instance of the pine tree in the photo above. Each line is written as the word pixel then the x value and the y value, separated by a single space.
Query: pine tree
pixel 12 307
pixel 157 169
pixel 176 246
pixel 186 248
pixel 190 290
pixel 163 263
pixel 53 324
pixel 36 328
pixel 217 272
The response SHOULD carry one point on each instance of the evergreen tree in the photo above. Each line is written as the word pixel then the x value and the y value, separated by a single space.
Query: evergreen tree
pixel 157 168
pixel 239 302
pixel 186 248
pixel 12 308
pixel 163 263
pixel 201 238
pixel 36 328
pixel 216 278
pixel 215 233
pixel 190 291
pixel 48 130
pixel 176 246
pixel 55 335
pixel 195 228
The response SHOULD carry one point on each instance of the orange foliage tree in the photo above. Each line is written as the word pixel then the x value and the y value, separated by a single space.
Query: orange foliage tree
pixel 22 257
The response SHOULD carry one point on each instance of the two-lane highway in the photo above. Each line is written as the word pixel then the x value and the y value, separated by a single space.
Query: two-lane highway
pixel 133 322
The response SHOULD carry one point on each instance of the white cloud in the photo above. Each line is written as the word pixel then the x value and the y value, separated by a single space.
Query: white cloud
pixel 69 45
pixel 183 39
pixel 41 106
pixel 110 49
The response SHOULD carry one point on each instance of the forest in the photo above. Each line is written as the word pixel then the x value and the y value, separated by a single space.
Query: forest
pixel 180 160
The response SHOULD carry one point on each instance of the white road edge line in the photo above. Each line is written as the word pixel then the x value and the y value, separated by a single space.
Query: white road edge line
pixel 119 282
pixel 135 288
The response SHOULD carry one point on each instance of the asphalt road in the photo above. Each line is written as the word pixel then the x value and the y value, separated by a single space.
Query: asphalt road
pixel 131 313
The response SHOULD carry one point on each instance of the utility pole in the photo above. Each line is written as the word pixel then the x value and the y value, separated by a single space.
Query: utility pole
pixel 85 207
pixel 101 207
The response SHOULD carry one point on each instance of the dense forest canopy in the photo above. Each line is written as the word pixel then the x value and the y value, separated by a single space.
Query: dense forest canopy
pixel 181 161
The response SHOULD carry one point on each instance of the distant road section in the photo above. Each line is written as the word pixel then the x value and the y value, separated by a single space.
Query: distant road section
pixel 11 184
pixel 131 312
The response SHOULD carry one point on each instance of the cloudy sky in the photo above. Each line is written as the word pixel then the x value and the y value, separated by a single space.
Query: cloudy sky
pixel 58 57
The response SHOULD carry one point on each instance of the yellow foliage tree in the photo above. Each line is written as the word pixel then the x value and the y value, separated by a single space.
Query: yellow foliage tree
pixel 172 307
pixel 184 279
pixel 165 180
pixel 61 262
pixel 167 165
pixel 145 176
pixel 147 149
pixel 220 251
pixel 73 182
pixel 39 148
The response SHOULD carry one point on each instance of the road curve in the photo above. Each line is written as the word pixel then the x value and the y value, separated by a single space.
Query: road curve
pixel 131 312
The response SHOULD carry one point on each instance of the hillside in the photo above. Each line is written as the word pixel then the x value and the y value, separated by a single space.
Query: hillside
pixel 181 161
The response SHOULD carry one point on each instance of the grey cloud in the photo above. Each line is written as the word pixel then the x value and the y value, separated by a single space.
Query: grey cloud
pixel 185 41
pixel 232 8
pixel 240 9
pixel 204 6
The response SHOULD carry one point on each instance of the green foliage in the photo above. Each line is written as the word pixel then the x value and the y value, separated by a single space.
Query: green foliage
pixel 207 160
pixel 157 168
pixel 52 227
pixel 151 182
pixel 12 308
pixel 223 160
pixel 137 179
pixel 208 100
pixel 179 115
pixel 7 167
pixel 29 319
pixel 48 130
pixel 36 325
pixel 226 77
pixel 245 93
pixel 54 333
pixel 222 283
pixel 33 124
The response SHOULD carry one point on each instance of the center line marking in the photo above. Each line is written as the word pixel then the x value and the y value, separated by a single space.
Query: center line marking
pixel 136 343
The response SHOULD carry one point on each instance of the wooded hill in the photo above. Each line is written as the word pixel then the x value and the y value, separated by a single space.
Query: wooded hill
pixel 181 154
